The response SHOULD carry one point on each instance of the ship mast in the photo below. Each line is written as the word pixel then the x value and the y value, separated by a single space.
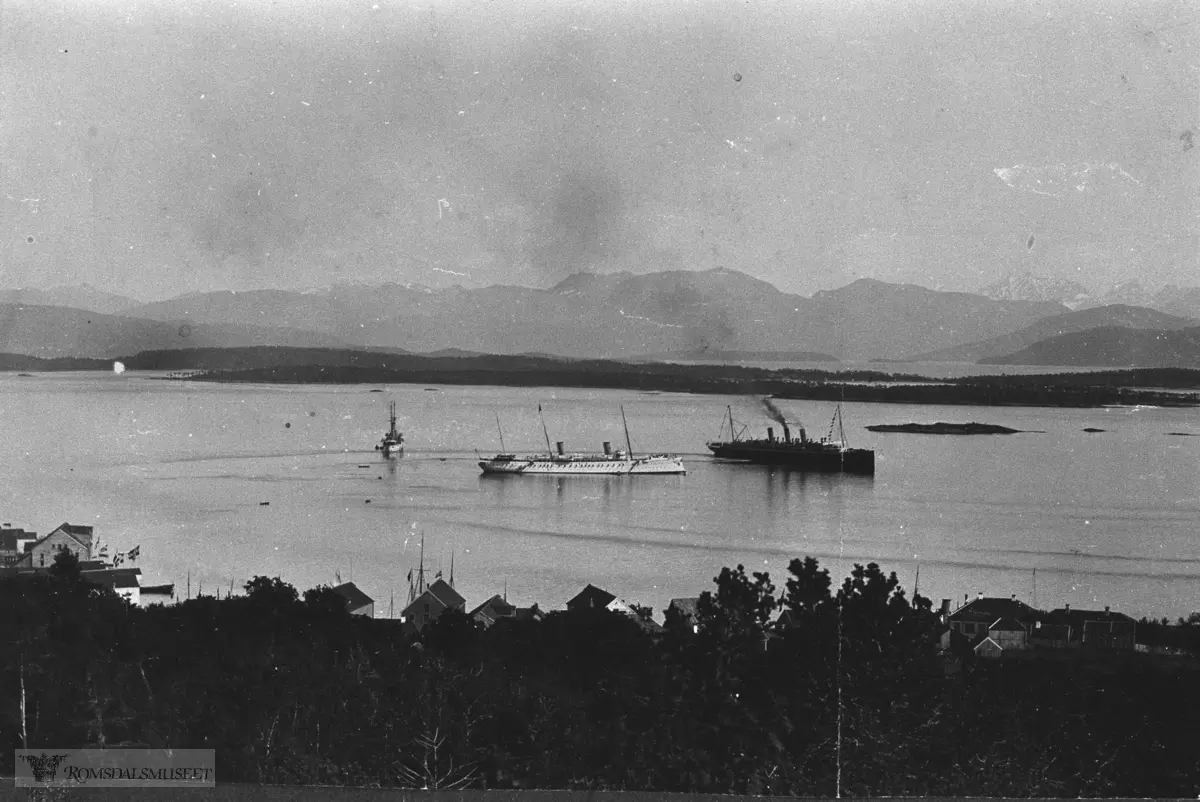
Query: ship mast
pixel 732 435
pixel 549 450
pixel 628 445
pixel 499 429
pixel 392 417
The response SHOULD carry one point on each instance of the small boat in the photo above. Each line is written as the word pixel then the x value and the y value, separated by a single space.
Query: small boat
pixel 612 463
pixel 393 441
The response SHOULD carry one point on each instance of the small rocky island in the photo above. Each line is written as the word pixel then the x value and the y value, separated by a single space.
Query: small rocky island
pixel 943 428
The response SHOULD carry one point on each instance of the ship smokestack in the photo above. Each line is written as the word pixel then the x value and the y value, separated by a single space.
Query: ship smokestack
pixel 607 448
pixel 803 436
pixel 559 443
pixel 770 434
pixel 787 433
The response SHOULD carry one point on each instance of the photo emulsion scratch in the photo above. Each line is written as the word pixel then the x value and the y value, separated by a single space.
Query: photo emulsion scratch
pixel 560 400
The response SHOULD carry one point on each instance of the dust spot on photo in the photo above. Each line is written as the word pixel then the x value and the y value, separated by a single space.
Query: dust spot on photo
pixel 185 331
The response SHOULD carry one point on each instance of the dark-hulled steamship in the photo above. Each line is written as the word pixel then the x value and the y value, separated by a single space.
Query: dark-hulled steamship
pixel 828 454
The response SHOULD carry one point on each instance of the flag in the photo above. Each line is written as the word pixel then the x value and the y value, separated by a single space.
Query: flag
pixel 134 552
pixel 539 407
pixel 120 558
pixel 410 576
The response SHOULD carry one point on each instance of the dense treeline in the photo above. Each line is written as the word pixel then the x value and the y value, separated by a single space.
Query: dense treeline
pixel 728 380
pixel 852 698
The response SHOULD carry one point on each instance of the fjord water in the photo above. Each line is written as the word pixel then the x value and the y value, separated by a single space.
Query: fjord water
pixel 183 469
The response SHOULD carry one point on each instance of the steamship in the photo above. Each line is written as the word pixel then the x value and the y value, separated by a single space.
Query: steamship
pixel 392 441
pixel 558 462
pixel 828 454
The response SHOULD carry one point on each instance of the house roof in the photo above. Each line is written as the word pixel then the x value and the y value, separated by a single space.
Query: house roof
pixel 533 613
pixel 1077 618
pixel 495 607
pixel 1007 625
pixel 80 534
pixel 10 539
pixel 686 607
pixel 988 640
pixel 115 579
pixel 988 609
pixel 592 596
pixel 354 597
pixel 446 594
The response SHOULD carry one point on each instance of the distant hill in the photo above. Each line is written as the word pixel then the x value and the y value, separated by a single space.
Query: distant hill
pixel 589 315
pixel 84 297
pixel 1112 347
pixel 1130 317
pixel 55 331
pixel 741 356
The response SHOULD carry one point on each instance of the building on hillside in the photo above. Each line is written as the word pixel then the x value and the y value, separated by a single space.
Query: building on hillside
pixel 1096 629
pixel 498 608
pixel 1009 634
pixel 975 618
pixel 1050 636
pixel 67 537
pixel 13 542
pixel 357 602
pixel 593 598
pixel 683 613
pixel 431 603
pixel 125 582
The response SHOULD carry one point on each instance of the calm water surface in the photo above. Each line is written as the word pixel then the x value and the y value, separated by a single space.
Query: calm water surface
pixel 181 469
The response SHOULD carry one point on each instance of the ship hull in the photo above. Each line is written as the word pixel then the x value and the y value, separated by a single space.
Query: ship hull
pixel 599 466
pixel 851 460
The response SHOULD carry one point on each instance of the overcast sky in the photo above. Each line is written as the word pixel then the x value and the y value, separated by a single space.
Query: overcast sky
pixel 158 148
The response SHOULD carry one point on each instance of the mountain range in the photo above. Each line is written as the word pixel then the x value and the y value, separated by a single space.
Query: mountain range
pixel 718 315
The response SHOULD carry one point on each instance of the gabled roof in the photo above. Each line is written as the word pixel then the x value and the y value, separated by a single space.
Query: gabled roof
pixel 989 640
pixel 988 609
pixel 592 596
pixel 1077 618
pixel 446 594
pixel 80 534
pixel 533 613
pixel 1007 625
pixel 686 607
pixel 11 539
pixel 354 597
pixel 495 607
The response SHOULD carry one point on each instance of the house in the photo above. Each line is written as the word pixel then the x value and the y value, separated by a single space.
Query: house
pixel 684 612
pixel 432 602
pixel 975 618
pixel 1096 629
pixel 1050 636
pixel 593 598
pixel 357 602
pixel 493 610
pixel 125 582
pixel 497 608
pixel 1008 634
pixel 13 542
pixel 67 537
pixel 989 649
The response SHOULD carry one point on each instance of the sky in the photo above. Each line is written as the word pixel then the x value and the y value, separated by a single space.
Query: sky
pixel 155 148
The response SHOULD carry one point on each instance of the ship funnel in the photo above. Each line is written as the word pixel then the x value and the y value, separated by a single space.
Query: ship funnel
pixel 607 448
pixel 787 434
pixel 945 607
pixel 770 434
pixel 559 443
pixel 803 436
